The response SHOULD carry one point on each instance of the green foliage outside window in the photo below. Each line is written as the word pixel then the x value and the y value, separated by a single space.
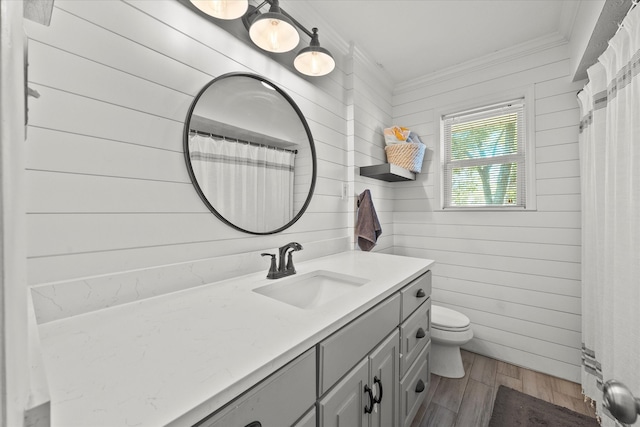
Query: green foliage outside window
pixel 487 174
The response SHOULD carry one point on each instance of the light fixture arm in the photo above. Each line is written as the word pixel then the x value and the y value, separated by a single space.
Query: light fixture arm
pixel 294 20
pixel 255 10
pixel 297 24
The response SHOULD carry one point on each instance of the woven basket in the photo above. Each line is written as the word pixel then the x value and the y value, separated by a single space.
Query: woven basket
pixel 408 155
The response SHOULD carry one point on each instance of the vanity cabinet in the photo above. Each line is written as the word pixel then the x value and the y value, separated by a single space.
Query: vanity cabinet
pixel 382 359
pixel 280 400
pixel 373 372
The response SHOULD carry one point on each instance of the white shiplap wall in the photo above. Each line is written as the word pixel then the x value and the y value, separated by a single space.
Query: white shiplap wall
pixel 372 93
pixel 516 275
pixel 108 191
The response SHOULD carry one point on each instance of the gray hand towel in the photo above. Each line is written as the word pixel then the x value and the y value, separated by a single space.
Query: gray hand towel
pixel 367 225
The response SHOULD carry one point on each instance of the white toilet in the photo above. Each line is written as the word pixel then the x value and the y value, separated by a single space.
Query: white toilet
pixel 449 330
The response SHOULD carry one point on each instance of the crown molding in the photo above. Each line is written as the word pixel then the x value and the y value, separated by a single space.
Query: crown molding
pixel 568 16
pixel 362 57
pixel 505 55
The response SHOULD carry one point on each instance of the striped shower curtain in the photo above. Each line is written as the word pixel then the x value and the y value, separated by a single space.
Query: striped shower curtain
pixel 250 186
pixel 610 178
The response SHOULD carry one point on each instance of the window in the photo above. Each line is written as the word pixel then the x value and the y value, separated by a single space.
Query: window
pixel 484 163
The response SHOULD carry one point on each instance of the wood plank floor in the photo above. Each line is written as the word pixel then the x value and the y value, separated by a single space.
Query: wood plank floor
pixel 468 401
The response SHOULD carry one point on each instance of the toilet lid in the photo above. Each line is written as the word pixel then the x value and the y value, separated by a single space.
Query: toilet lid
pixel 445 318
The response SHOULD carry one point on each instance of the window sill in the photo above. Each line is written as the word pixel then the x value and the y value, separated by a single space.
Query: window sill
pixel 487 209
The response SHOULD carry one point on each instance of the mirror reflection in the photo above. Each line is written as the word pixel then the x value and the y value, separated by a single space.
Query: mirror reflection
pixel 250 153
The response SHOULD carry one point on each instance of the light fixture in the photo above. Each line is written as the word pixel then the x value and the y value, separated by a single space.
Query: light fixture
pixel 314 60
pixel 273 31
pixel 222 9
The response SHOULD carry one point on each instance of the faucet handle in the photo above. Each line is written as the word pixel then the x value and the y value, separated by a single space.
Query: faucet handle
pixel 273 270
pixel 290 268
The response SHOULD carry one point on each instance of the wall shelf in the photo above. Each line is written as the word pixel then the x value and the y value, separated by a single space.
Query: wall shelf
pixel 387 172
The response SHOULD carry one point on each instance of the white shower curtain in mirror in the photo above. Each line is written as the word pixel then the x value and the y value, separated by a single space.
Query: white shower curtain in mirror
pixel 250 186
pixel 610 178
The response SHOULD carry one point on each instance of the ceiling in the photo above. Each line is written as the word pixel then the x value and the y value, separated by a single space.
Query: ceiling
pixel 413 38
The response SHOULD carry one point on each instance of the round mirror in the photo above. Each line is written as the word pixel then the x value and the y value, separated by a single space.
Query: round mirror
pixel 250 153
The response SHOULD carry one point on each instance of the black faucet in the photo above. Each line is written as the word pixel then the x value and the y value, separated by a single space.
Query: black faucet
pixel 283 269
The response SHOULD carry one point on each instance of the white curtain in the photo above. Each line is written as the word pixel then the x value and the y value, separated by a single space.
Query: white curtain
pixel 610 178
pixel 250 186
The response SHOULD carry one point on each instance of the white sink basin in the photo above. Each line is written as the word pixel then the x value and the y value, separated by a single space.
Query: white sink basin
pixel 311 290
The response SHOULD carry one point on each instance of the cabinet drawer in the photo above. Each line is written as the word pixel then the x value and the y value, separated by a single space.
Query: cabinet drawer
pixel 415 333
pixel 414 387
pixel 415 293
pixel 341 351
pixel 278 401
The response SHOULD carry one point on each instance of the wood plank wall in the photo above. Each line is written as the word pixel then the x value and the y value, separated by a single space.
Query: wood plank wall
pixel 516 275
pixel 108 190
pixel 372 94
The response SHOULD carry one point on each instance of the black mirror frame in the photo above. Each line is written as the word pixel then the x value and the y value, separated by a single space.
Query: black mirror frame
pixel 194 181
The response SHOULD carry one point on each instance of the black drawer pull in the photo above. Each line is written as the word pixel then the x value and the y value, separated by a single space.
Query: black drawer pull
pixel 376 380
pixel 420 333
pixel 420 294
pixel 420 386
pixel 254 424
pixel 369 409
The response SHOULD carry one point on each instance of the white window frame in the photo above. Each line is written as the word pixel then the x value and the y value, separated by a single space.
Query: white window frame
pixel 528 95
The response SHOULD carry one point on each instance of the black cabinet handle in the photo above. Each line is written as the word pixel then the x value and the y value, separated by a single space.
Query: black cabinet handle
pixel 254 424
pixel 420 386
pixel 420 333
pixel 376 380
pixel 420 294
pixel 369 409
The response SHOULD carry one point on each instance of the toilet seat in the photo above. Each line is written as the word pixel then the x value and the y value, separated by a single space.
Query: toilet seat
pixel 445 319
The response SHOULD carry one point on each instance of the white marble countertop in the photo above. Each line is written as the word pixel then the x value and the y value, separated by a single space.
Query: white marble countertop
pixel 175 358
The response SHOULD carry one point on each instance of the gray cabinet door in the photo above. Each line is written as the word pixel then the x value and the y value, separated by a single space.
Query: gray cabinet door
pixel 384 378
pixel 309 419
pixel 343 406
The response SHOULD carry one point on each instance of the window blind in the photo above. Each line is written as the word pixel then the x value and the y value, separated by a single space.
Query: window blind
pixel 484 157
